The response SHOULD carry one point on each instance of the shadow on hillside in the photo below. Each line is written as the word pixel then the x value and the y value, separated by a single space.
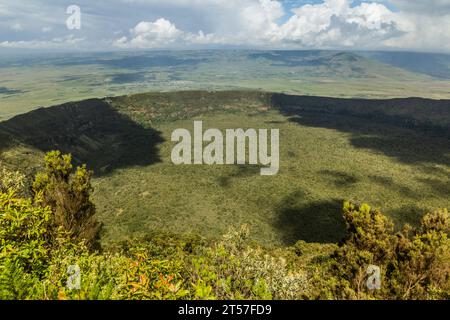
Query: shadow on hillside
pixel 410 214
pixel 319 222
pixel 439 187
pixel 6 141
pixel 388 182
pixel 402 138
pixel 92 131
pixel 240 172
pixel 339 179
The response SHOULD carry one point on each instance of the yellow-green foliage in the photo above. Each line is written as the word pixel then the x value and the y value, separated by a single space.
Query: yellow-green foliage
pixel 415 263
pixel 12 180
pixel 35 256
pixel 24 249
pixel 234 270
pixel 23 228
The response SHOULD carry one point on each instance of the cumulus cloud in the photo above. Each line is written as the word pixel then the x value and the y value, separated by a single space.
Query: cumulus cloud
pixel 334 23
pixel 235 22
pixel 154 34
pixel 368 24
pixel 163 34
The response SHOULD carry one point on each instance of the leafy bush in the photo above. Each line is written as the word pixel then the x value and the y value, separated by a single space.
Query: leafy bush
pixel 414 263
pixel 234 270
pixel 13 181
pixel 16 283
pixel 23 233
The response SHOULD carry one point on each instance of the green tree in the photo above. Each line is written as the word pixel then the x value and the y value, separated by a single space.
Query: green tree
pixel 68 194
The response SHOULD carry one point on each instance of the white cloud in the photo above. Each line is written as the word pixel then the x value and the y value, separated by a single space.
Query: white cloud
pixel 258 20
pixel 160 33
pixel 426 33
pixel 371 24
pixel 235 22
pixel 163 34
pixel 334 23
pixel 55 43
pixel 428 25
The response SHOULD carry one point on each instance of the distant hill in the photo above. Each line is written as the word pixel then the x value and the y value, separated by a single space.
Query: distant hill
pixel 432 64
pixel 33 80
pixel 361 64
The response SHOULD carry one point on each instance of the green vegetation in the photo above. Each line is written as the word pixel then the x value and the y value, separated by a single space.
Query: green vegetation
pixel 37 249
pixel 160 222
pixel 331 150
pixel 68 197
pixel 414 262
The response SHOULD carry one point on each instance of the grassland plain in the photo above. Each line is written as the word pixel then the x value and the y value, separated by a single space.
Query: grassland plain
pixel 331 150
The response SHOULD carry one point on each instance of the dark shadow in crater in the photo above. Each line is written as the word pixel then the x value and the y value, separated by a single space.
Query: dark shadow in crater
pixel 371 126
pixel 92 131
pixel 320 221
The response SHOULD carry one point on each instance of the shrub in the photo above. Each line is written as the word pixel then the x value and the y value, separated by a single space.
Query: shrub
pixel 69 196
pixel 13 181
pixel 16 283
pixel 234 270
pixel 414 263
pixel 421 265
pixel 23 232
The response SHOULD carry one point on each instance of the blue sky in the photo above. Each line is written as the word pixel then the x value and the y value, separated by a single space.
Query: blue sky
pixel 186 24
